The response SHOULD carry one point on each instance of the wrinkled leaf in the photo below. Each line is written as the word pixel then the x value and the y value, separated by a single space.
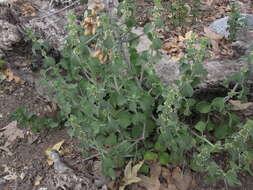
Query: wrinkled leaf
pixel 150 156
pixel 11 132
pixel 130 174
pixel 152 182
pixel 203 107
pixel 237 105
pixel 183 181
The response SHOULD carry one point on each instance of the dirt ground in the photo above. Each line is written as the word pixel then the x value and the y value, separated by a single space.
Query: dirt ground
pixel 25 160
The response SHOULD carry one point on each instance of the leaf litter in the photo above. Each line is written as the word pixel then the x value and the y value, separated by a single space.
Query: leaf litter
pixel 161 178
pixel 11 132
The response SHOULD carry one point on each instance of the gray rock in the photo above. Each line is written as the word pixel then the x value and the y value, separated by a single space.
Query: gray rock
pixel 218 70
pixel 221 26
pixel 9 35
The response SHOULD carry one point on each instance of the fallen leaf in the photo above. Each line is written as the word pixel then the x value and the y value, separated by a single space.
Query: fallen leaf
pixel 28 10
pixel 37 180
pixel 168 177
pixel 130 174
pixel 11 132
pixel 152 182
pixel 183 181
pixel 57 147
pixel 11 77
pixel 214 37
pixel 11 175
pixel 209 2
pixel 188 35
pixel 237 105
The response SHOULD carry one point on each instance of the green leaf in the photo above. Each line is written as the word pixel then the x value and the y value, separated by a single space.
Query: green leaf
pixel 210 125
pixel 199 70
pixel 108 42
pixel 111 139
pixel 186 90
pixel 150 156
pixel 203 107
pixel 124 119
pixel 221 131
pixel 200 126
pixel 130 22
pixel 49 61
pixel 148 27
pixel 108 167
pixel 164 158
pixel 159 147
pixel 144 169
pixel 157 43
pixel 218 104
pixel 231 178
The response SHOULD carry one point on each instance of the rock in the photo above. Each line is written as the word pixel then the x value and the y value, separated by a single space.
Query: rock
pixel 9 35
pixel 221 26
pixel 218 70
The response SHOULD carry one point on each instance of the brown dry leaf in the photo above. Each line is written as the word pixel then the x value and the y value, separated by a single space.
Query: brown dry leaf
pixel 130 174
pixel 168 177
pixel 57 147
pixel 28 10
pixel 37 180
pixel 152 182
pixel 11 77
pixel 237 105
pixel 11 132
pixel 214 37
pixel 183 181
pixel 188 35
pixel 177 57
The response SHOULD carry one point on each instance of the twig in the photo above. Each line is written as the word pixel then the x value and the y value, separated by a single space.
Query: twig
pixel 136 141
pixel 134 38
pixel 91 157
pixel 204 139
pixel 6 150
pixel 63 9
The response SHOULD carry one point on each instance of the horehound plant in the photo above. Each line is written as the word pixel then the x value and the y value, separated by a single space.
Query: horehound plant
pixel 111 99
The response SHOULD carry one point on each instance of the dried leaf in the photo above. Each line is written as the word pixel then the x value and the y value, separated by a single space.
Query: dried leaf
pixel 37 180
pixel 57 147
pixel 168 177
pixel 152 182
pixel 211 34
pixel 214 37
pixel 237 105
pixel 183 181
pixel 28 10
pixel 209 2
pixel 130 174
pixel 188 35
pixel 11 77
pixel 11 175
pixel 11 132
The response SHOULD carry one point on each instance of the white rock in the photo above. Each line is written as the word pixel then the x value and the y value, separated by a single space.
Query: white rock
pixel 9 35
